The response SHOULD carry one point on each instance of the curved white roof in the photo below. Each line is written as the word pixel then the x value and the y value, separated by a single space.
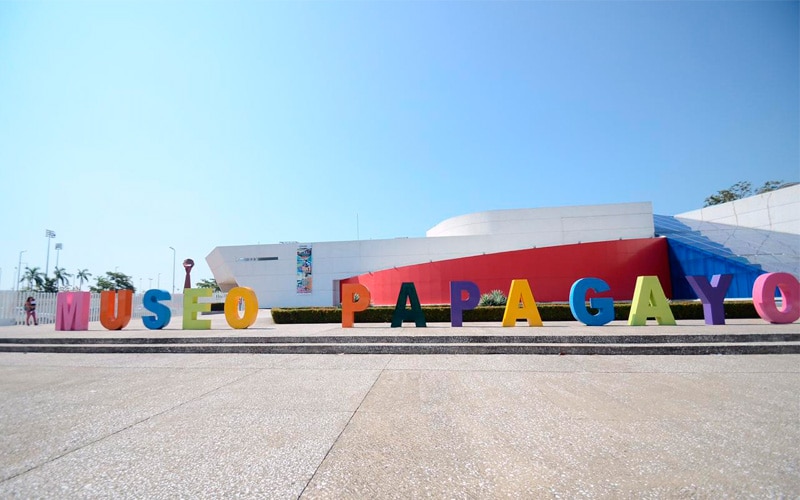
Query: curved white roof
pixel 637 217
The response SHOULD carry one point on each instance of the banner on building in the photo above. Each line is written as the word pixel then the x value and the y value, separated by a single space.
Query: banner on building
pixel 304 266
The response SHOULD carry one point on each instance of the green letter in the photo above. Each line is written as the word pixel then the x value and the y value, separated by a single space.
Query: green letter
pixel 649 301
pixel 191 307
pixel 415 314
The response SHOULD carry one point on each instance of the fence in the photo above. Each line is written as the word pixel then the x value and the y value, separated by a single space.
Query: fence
pixel 12 303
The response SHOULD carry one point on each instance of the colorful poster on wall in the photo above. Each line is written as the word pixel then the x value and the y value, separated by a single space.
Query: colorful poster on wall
pixel 304 265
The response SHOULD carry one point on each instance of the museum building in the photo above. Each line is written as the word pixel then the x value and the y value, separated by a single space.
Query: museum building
pixel 550 247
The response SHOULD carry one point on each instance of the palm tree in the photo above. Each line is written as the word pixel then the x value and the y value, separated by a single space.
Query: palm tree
pixel 33 275
pixel 61 275
pixel 81 276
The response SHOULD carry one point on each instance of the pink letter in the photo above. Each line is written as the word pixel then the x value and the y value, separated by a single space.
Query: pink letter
pixel 764 297
pixel 72 311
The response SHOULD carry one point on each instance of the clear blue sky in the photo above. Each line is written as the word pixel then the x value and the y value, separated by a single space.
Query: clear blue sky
pixel 128 128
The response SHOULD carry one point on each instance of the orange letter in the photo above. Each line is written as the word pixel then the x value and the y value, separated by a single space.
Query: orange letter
pixel 349 305
pixel 250 302
pixel 124 301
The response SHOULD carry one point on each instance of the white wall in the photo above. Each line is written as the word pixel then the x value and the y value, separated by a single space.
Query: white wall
pixel 774 211
pixel 274 281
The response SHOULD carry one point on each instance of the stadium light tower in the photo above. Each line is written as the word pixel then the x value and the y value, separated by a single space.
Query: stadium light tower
pixel 19 269
pixel 59 246
pixel 49 234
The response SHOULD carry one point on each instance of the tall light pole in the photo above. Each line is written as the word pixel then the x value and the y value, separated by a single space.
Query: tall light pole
pixel 19 268
pixel 173 269
pixel 59 246
pixel 49 234
pixel 158 283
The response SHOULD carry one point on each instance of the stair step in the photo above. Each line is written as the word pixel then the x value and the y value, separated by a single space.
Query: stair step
pixel 688 344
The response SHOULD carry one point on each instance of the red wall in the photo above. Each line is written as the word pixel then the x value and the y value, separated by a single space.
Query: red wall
pixel 550 271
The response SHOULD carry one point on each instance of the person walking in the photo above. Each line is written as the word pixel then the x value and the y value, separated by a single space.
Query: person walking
pixel 30 311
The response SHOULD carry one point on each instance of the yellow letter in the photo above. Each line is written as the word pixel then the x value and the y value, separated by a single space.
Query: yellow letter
pixel 521 292
pixel 649 301
pixel 248 296
pixel 191 307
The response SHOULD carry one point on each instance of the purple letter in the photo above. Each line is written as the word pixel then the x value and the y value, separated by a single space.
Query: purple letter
pixel 712 295
pixel 457 305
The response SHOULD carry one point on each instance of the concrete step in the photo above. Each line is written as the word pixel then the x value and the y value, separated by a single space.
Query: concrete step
pixel 687 344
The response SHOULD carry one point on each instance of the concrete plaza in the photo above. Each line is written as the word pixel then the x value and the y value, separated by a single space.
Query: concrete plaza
pixel 398 426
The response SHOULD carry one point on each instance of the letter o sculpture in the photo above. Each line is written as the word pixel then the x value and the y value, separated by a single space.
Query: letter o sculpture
pixel 764 297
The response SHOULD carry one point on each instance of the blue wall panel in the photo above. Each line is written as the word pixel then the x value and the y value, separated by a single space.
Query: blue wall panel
pixel 685 260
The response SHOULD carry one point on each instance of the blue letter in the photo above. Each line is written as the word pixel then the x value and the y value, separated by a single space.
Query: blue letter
pixel 150 301
pixel 577 302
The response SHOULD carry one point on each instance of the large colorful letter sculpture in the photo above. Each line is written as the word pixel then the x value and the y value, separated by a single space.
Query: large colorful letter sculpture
pixel 191 307
pixel 458 305
pixel 151 302
pixel 649 301
pixel 712 295
pixel 604 305
pixel 248 299
pixel 408 293
pixel 72 311
pixel 349 305
pixel 520 293
pixel 764 297
pixel 115 309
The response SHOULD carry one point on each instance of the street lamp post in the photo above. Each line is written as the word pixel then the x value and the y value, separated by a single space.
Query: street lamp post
pixel 49 234
pixel 158 282
pixel 19 268
pixel 173 269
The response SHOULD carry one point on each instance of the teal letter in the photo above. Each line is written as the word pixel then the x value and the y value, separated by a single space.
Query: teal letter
pixel 415 314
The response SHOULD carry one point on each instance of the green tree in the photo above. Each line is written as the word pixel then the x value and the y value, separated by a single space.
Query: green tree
pixel 34 277
pixel 112 281
pixel 61 276
pixel 82 275
pixel 741 189
pixel 50 285
pixel 212 283
pixel 771 186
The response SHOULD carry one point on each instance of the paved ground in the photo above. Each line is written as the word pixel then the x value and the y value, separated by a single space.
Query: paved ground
pixel 399 426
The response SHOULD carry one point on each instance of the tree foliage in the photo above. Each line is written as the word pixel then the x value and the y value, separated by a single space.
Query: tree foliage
pixel 82 275
pixel 741 189
pixel 34 277
pixel 212 283
pixel 61 277
pixel 112 281
pixel 50 285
